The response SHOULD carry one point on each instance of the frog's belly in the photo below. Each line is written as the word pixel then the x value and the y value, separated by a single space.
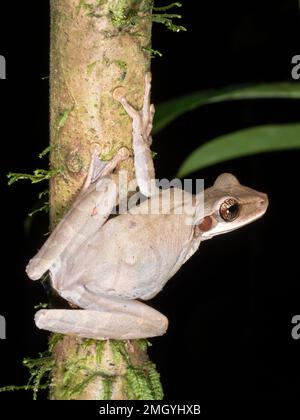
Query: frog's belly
pixel 131 256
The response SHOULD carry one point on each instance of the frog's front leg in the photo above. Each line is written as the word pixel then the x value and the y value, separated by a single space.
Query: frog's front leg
pixel 142 122
pixel 104 317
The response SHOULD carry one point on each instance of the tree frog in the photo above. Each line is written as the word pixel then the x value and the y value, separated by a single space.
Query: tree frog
pixel 106 266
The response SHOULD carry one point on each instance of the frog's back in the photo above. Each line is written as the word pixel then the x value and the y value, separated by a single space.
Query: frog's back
pixel 133 255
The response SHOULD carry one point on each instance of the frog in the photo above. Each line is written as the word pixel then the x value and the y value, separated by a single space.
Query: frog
pixel 106 265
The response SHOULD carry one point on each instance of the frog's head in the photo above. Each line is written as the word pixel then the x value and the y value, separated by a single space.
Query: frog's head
pixel 228 205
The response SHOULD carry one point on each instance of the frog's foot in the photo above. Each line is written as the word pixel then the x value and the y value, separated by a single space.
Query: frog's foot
pixel 100 169
pixel 142 119
pixel 121 324
pixel 148 110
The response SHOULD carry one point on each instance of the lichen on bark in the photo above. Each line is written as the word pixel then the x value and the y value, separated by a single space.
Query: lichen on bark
pixel 96 46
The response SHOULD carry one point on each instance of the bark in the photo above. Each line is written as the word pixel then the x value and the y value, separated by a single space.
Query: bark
pixel 96 46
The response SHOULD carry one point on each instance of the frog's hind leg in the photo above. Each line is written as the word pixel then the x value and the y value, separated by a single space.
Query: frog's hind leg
pixel 115 318
pixel 87 214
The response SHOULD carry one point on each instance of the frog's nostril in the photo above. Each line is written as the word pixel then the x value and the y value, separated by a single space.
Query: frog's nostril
pixel 264 201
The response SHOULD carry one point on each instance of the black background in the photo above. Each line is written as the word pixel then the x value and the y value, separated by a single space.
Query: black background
pixel 230 307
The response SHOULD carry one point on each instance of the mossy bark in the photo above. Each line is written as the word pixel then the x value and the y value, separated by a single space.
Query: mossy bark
pixel 96 46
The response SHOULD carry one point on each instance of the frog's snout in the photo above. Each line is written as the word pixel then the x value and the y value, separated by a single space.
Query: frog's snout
pixel 263 202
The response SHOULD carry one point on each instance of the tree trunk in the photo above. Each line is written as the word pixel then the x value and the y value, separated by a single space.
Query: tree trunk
pixel 96 46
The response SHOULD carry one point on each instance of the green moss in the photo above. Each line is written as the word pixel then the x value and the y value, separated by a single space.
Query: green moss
pixel 39 369
pixel 107 387
pixel 119 352
pixel 115 349
pixel 167 7
pixel 81 5
pixel 152 52
pixel 38 175
pixel 87 342
pixel 44 152
pixel 73 387
pixel 125 15
pixel 123 67
pixel 166 19
pixel 140 382
pixel 54 339
pixel 41 306
pixel 122 64
pixel 90 9
pixel 154 378
pixel 83 367
pixel 119 13
pixel 44 207
pixel 99 350
pixel 143 344
pixel 63 117
pixel 111 153
pixel 90 67
pixel 9 388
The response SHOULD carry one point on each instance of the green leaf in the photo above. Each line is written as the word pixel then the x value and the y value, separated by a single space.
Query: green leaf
pixel 264 138
pixel 166 112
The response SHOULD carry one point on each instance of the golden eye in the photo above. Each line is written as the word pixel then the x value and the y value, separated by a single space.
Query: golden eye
pixel 229 210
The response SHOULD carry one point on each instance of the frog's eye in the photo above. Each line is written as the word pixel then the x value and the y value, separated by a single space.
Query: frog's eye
pixel 229 210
